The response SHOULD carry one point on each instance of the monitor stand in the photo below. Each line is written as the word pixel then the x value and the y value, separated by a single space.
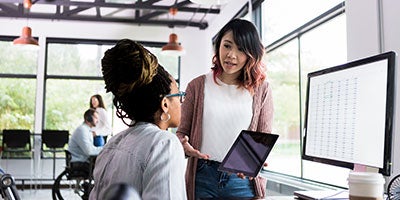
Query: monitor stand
pixel 363 168
pixel 322 194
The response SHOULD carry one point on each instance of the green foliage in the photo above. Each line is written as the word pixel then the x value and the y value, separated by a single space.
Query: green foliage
pixel 17 59
pixel 72 59
pixel 17 103
pixel 67 100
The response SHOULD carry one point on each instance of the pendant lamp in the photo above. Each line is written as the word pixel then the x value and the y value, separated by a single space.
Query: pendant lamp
pixel 26 37
pixel 210 2
pixel 173 48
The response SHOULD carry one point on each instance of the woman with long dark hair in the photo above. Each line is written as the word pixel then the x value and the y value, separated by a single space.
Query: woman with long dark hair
pixel 234 96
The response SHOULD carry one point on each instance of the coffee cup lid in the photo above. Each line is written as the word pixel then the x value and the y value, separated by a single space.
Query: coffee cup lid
pixel 366 177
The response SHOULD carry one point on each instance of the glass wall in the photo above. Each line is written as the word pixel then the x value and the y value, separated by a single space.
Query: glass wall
pixel 283 74
pixel 72 74
pixel 18 85
pixel 18 66
pixel 311 37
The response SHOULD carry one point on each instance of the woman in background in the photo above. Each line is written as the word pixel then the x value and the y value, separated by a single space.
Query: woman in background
pixel 103 127
pixel 218 105
pixel 145 156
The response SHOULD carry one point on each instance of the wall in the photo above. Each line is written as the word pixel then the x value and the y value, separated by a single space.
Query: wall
pixel 391 42
pixel 372 28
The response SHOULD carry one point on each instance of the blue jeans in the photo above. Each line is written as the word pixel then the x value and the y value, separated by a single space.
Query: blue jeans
pixel 213 184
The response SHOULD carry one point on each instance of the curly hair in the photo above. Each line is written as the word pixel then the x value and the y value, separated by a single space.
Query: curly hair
pixel 135 78
pixel 246 38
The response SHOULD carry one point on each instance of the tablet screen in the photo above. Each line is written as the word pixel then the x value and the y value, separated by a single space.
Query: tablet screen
pixel 248 153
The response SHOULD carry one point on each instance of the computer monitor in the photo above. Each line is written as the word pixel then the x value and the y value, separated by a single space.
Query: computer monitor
pixel 349 114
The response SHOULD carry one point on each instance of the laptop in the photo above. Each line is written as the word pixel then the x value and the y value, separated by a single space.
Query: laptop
pixel 248 153
pixel 322 194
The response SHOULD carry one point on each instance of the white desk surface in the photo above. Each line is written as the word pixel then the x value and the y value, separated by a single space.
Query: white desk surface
pixel 279 198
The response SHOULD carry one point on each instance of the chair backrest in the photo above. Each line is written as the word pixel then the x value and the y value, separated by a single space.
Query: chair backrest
pixel 68 158
pixel 16 138
pixel 55 138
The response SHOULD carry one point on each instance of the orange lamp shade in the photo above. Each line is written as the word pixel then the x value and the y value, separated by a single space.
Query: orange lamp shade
pixel 26 37
pixel 172 44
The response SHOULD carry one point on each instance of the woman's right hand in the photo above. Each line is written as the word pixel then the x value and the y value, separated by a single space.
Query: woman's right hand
pixel 189 150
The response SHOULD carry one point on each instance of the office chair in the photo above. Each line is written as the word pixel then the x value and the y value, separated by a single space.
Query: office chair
pixel 17 141
pixel 54 141
pixel 393 189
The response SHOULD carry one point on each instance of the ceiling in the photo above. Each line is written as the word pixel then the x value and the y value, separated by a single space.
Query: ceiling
pixel 140 12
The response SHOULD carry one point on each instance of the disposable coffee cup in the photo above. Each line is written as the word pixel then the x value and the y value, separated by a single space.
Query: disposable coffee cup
pixel 365 186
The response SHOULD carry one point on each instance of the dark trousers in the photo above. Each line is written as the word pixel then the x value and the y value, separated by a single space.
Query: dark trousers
pixel 80 168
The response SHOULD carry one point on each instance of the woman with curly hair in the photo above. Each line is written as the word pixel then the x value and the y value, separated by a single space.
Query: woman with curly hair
pixel 218 105
pixel 145 156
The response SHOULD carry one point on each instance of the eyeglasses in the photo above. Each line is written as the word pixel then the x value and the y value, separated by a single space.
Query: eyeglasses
pixel 180 94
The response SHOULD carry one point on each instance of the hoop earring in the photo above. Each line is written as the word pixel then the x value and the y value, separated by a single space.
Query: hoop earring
pixel 168 117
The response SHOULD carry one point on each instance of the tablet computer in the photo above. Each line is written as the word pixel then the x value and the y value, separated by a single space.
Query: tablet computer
pixel 248 153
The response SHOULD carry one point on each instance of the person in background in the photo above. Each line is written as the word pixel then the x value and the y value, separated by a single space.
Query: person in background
pixel 234 96
pixel 80 145
pixel 103 128
pixel 145 156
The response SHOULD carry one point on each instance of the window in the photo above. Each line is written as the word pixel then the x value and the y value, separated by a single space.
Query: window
pixel 18 66
pixel 75 59
pixel 73 75
pixel 284 16
pixel 283 74
pixel 17 59
pixel 312 37
pixel 18 85
pixel 318 50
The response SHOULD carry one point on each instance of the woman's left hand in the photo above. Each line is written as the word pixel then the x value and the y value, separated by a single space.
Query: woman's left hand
pixel 242 176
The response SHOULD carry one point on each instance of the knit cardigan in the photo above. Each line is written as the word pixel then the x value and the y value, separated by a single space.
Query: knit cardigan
pixel 192 120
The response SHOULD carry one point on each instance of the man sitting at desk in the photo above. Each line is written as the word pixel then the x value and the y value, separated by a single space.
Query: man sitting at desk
pixel 80 144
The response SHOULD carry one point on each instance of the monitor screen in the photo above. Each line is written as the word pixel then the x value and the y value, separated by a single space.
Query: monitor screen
pixel 349 114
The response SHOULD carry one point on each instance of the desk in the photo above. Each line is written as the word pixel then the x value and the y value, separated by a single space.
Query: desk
pixel 280 198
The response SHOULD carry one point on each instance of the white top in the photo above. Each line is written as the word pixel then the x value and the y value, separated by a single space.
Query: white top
pixel 227 111
pixel 103 127
pixel 149 159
